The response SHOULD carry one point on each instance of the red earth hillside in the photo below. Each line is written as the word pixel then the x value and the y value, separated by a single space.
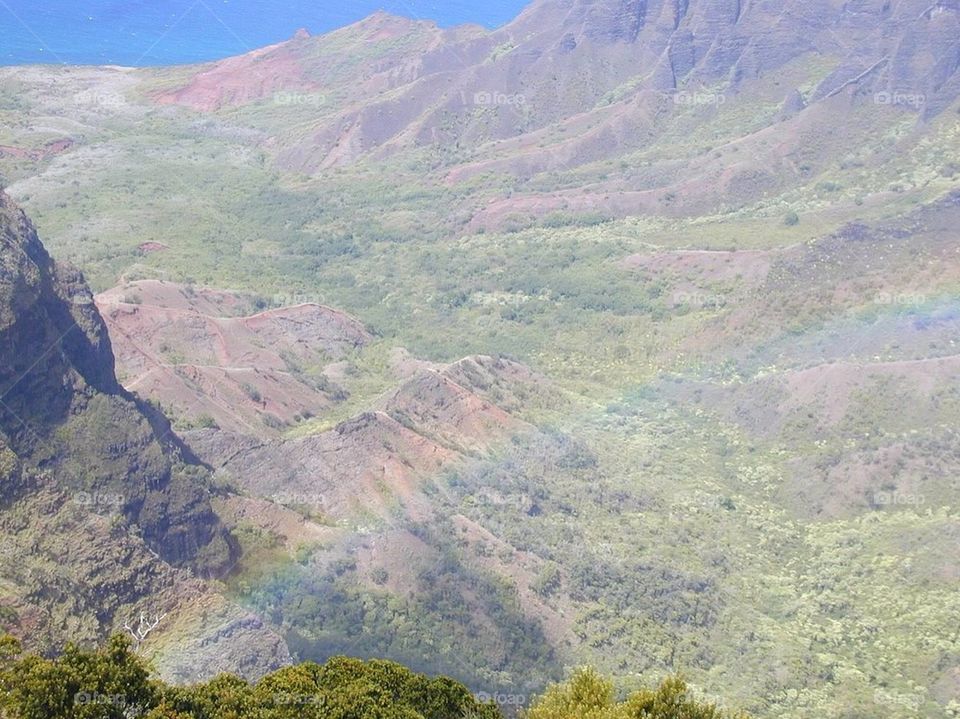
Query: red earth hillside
pixel 250 373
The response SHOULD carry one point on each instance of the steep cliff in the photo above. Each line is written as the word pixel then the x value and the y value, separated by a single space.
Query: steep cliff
pixel 63 411
pixel 104 514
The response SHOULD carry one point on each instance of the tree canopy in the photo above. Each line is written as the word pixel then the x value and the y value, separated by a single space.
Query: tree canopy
pixel 588 695
pixel 115 683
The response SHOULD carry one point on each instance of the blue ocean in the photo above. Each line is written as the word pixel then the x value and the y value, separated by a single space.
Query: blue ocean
pixel 169 32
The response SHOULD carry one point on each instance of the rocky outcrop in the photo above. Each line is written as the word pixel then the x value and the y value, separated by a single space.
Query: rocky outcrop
pixel 792 104
pixel 208 360
pixel 52 341
pixel 379 460
pixel 103 510
pixel 563 57
pixel 571 83
pixel 62 409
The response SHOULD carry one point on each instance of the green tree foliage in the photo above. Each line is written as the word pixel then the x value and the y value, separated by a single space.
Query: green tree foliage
pixel 114 683
pixel 547 581
pixel 588 695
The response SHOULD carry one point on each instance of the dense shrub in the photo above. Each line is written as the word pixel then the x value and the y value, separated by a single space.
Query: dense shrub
pixel 115 683
pixel 587 695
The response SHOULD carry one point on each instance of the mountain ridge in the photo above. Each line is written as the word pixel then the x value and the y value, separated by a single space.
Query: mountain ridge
pixel 84 458
pixel 720 236
pixel 569 86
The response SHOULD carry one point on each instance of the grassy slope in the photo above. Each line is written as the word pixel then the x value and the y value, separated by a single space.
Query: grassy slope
pixel 675 544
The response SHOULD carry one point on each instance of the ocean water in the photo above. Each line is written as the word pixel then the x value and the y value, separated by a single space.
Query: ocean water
pixel 169 32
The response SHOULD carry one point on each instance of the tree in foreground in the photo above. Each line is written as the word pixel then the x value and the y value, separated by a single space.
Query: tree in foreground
pixel 115 683
pixel 588 695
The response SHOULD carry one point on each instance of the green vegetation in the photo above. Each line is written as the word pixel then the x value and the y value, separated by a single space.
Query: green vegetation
pixel 691 505
pixel 115 683
pixel 330 612
pixel 587 695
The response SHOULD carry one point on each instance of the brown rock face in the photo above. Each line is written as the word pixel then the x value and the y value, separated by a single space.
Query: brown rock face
pixel 378 461
pixel 62 409
pixel 570 83
pixel 200 354
pixel 50 329
pixel 93 482
pixel 564 56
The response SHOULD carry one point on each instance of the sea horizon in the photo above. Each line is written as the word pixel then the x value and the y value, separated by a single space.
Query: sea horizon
pixel 139 34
